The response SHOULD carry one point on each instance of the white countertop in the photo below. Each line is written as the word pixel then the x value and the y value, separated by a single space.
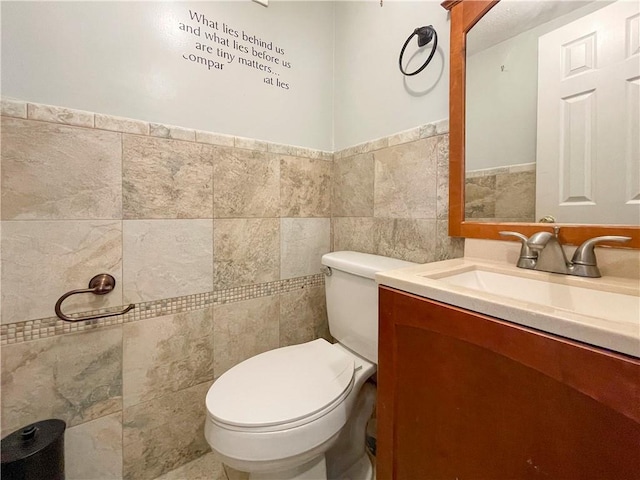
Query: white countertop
pixel 620 335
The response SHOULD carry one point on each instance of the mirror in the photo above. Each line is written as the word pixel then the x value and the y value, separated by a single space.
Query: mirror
pixel 552 113
pixel 529 134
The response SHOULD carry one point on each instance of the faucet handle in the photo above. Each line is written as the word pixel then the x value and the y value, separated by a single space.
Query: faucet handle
pixel 527 255
pixel 585 254
pixel 519 235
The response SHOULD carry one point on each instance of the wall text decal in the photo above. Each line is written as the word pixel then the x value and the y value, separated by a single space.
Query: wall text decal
pixel 219 46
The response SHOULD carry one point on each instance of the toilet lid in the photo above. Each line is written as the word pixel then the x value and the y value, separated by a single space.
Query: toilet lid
pixel 281 386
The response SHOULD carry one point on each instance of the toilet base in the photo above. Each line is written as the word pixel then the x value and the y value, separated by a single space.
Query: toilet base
pixel 316 469
pixel 347 459
pixel 362 469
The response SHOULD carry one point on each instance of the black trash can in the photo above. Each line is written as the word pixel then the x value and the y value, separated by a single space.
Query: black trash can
pixel 34 452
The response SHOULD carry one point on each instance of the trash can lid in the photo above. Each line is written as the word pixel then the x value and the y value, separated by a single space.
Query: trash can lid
pixel 29 440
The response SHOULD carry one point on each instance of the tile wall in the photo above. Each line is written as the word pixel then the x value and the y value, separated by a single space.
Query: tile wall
pixel 215 239
pixel 391 196
pixel 506 194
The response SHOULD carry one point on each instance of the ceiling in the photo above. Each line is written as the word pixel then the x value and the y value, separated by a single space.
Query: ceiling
pixel 512 17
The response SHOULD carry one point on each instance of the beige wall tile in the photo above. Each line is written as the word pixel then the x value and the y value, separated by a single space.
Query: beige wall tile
pixel 294 151
pixel 43 260
pixel 353 184
pixel 59 172
pixel 120 124
pixel 166 178
pixel 413 240
pixel 164 433
pixel 447 247
pixel 506 194
pixel 166 258
pixel 246 251
pixel 480 197
pixel 170 131
pixel 442 200
pixel 214 138
pixel 207 467
pixel 246 184
pixel 354 233
pixel 244 329
pixel 303 316
pixel 428 130
pixel 76 378
pixel 305 187
pixel 487 172
pixel 303 242
pixel 251 144
pixel 68 116
pixel 442 126
pixel 516 196
pixel 166 354
pixel 13 108
pixel 406 179
pixel 327 156
pixel 93 450
pixel 410 135
pixel 372 146
pixel 280 149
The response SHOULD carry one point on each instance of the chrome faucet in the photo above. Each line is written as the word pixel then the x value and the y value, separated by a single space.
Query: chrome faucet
pixel 543 251
pixel 550 254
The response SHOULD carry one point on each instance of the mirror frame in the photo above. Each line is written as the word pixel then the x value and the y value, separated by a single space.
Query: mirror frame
pixel 464 14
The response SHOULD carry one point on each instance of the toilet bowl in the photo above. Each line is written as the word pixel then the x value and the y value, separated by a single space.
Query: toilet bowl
pixel 285 407
pixel 278 414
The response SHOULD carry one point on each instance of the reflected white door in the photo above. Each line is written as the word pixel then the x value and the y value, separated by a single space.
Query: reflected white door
pixel 588 157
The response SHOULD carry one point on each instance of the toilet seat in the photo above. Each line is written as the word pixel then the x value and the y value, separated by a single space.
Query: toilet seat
pixel 302 383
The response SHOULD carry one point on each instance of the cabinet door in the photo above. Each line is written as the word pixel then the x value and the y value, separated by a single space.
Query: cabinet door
pixel 462 395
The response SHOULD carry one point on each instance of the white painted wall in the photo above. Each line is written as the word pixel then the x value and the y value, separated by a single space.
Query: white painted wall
pixel 125 58
pixel 501 104
pixel 372 98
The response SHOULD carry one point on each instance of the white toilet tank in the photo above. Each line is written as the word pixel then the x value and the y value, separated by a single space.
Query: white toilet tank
pixel 352 298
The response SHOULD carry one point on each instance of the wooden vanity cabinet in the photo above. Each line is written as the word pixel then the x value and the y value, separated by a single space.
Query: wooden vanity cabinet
pixel 465 396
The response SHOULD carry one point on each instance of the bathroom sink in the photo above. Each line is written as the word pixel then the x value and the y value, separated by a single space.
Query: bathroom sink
pixel 585 301
pixel 604 312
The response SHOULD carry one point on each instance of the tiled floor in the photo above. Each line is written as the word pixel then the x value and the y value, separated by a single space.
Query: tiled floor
pixel 207 467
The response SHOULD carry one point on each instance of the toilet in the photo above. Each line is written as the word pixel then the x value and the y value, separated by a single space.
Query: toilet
pixel 300 412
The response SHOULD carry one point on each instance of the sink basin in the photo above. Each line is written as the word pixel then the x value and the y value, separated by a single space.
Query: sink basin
pixel 604 312
pixel 586 301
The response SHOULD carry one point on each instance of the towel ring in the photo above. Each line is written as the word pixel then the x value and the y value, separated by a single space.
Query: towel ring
pixel 425 35
pixel 98 285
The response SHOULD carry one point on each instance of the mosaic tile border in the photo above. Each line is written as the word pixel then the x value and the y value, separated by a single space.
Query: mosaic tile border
pixel 487 172
pixel 67 116
pixel 20 332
